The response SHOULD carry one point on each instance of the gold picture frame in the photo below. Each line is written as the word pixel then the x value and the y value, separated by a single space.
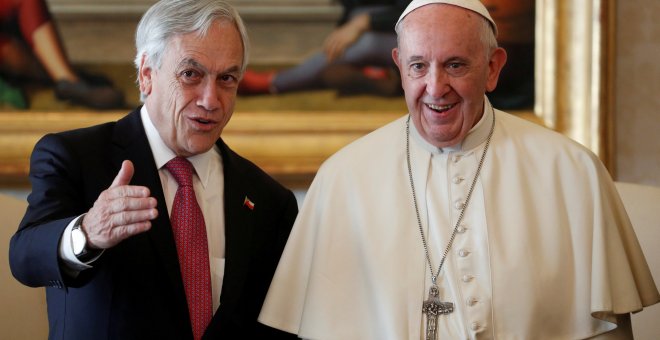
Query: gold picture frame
pixel 575 70
pixel 574 85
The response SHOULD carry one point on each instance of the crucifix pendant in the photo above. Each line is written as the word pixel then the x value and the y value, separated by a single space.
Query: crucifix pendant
pixel 433 307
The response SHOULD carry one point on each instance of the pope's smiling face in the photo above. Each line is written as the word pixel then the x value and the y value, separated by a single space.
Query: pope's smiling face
pixel 191 96
pixel 446 68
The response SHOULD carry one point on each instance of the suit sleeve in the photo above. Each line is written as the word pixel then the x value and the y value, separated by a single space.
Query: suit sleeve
pixel 290 212
pixel 55 201
pixel 284 225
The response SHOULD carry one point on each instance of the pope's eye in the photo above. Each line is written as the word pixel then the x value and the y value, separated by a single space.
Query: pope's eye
pixel 417 66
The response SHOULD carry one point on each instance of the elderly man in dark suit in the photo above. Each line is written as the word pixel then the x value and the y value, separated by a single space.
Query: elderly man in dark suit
pixel 151 227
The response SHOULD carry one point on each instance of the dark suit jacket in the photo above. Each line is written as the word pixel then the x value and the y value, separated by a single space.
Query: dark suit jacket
pixel 135 289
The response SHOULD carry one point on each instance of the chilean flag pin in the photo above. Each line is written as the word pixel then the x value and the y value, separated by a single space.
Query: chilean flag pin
pixel 248 203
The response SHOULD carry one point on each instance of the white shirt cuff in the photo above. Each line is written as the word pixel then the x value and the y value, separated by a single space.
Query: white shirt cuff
pixel 72 263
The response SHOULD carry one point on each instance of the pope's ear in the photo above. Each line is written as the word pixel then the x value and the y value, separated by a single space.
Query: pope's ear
pixel 144 76
pixel 495 65
pixel 395 57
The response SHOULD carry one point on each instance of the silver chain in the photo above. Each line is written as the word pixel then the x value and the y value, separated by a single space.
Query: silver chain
pixel 467 200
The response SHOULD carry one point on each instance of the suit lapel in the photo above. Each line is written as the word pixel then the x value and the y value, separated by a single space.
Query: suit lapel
pixel 132 143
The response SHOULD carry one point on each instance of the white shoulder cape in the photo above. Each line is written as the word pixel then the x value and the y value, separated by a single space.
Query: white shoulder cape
pixel 563 256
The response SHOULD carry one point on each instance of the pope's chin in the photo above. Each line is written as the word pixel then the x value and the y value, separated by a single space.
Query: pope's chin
pixel 441 134
pixel 442 139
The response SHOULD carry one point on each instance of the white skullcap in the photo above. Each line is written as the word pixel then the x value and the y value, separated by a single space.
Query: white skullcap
pixel 472 5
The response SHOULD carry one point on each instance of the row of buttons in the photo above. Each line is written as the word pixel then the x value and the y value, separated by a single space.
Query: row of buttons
pixel 474 326
pixel 459 205
pixel 55 283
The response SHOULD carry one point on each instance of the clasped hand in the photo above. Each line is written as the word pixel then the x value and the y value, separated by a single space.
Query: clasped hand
pixel 120 211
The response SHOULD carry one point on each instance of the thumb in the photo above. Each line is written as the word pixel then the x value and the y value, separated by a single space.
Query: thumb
pixel 125 174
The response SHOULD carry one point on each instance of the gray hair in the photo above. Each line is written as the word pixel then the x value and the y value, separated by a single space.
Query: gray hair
pixel 168 18
pixel 486 34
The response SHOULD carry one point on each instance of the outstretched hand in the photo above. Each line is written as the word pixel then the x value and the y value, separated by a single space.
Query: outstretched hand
pixel 120 211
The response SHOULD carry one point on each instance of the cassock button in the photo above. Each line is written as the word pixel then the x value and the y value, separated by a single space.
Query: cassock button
pixel 457 179
pixel 463 253
pixel 474 326
pixel 461 229
pixel 459 205
pixel 467 278
pixel 457 158
pixel 472 301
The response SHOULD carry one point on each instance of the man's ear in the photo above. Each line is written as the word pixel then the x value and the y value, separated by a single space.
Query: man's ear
pixel 495 65
pixel 144 76
pixel 395 57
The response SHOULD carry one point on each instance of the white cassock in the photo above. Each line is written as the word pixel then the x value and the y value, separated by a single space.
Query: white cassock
pixel 545 249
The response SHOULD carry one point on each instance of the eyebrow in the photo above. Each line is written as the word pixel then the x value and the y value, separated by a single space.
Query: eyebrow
pixel 194 63
pixel 415 58
pixel 448 60
pixel 191 62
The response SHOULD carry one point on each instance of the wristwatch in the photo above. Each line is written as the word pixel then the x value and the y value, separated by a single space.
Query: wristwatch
pixel 79 243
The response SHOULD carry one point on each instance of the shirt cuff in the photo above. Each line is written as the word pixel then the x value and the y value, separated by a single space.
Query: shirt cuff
pixel 72 263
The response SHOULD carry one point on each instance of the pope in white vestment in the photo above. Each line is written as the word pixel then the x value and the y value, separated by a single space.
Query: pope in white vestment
pixel 544 249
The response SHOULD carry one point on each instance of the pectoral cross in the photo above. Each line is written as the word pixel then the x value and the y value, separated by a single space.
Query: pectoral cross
pixel 432 308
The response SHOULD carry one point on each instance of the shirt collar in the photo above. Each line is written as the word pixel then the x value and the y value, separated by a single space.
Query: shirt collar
pixel 163 154
pixel 474 138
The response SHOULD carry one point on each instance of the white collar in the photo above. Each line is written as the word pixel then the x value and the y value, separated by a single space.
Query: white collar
pixel 163 154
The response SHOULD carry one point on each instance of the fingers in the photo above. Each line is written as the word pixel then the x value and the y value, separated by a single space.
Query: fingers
pixel 125 174
pixel 120 211
pixel 112 221
pixel 144 210
pixel 132 204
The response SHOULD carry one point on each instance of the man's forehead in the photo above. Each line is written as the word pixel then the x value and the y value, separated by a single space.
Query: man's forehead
pixel 204 51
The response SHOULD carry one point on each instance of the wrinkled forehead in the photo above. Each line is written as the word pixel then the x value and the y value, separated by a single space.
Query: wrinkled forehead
pixel 471 5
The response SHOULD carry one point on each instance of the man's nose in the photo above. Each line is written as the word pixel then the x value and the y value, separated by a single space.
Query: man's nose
pixel 209 97
pixel 437 83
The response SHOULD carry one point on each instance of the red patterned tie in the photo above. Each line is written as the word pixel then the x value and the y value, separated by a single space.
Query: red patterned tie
pixel 192 246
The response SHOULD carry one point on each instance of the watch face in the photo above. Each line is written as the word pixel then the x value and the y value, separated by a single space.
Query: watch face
pixel 78 240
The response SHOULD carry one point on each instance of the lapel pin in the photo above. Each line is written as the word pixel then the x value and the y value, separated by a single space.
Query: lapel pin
pixel 248 203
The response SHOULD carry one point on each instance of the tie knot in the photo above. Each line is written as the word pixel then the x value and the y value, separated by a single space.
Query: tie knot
pixel 181 169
